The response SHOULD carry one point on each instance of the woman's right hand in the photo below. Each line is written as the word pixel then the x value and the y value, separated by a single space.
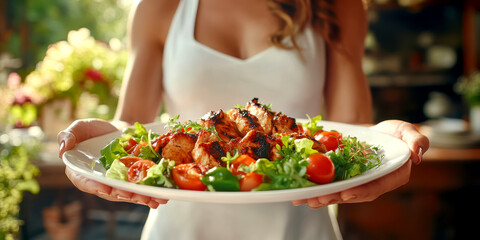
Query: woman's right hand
pixel 82 130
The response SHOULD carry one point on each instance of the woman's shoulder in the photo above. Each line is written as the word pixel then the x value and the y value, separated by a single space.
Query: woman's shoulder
pixel 353 24
pixel 152 17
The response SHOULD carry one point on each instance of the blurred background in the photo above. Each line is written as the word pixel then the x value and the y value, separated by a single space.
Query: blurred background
pixel 62 60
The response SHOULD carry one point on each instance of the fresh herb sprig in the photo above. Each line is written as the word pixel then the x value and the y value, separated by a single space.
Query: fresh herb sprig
pixel 354 157
pixel 189 126
pixel 228 159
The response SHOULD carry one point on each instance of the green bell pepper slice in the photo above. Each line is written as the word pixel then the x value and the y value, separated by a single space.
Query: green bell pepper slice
pixel 221 179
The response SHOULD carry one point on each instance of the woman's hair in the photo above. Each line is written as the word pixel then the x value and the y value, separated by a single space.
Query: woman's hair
pixel 297 14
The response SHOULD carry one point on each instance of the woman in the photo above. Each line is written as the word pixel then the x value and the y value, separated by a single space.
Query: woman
pixel 303 57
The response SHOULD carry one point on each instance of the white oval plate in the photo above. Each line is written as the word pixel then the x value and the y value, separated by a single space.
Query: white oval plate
pixel 83 159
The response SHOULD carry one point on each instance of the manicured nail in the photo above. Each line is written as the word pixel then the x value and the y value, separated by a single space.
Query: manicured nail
pixel 420 154
pixel 122 198
pixel 153 204
pixel 102 193
pixel 61 149
pixel 348 198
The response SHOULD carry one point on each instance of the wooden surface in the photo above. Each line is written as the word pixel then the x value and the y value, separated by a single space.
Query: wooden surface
pixel 452 154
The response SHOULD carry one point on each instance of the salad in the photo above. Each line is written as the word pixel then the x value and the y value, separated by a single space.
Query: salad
pixel 248 148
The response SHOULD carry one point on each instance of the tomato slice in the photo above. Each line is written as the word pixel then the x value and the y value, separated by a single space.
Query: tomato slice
pixel 242 159
pixel 138 171
pixel 129 160
pixel 321 169
pixel 250 181
pixel 331 139
pixel 136 150
pixel 130 145
pixel 187 176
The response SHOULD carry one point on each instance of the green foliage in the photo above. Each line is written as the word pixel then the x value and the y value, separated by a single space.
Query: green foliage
pixel 38 23
pixel 26 114
pixel 17 175
pixel 469 87
pixel 76 66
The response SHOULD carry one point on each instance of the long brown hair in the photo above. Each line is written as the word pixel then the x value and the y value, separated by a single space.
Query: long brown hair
pixel 297 14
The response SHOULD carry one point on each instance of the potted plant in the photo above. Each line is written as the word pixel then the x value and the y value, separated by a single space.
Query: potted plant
pixel 78 78
pixel 17 175
pixel 469 87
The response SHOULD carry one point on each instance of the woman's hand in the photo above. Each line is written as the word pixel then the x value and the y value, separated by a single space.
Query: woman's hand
pixel 82 130
pixel 418 145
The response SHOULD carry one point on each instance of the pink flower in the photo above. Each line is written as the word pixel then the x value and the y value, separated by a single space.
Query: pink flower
pixel 14 80
pixel 94 75
pixel 20 98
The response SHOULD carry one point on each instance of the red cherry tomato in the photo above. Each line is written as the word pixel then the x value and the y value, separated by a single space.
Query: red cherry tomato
pixel 129 160
pixel 138 171
pixel 130 145
pixel 242 159
pixel 331 139
pixel 321 169
pixel 187 176
pixel 136 150
pixel 250 181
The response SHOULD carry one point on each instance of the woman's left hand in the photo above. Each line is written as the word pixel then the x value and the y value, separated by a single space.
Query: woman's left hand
pixel 418 145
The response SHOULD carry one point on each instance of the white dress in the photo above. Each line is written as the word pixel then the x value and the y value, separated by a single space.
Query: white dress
pixel 198 79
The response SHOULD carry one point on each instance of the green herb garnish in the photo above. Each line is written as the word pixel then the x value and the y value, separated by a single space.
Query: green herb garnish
pixel 189 126
pixel 354 157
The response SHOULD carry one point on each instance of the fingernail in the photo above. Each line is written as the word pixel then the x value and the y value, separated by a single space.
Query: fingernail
pixel 153 204
pixel 420 154
pixel 61 148
pixel 122 198
pixel 102 193
pixel 348 198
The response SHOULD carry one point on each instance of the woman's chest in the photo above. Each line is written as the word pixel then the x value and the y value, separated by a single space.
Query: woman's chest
pixel 240 29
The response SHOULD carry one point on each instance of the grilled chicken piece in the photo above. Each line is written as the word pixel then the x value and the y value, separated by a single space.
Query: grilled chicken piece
pixel 224 126
pixel 161 141
pixel 179 147
pixel 316 144
pixel 258 145
pixel 264 115
pixel 284 124
pixel 244 121
pixel 207 150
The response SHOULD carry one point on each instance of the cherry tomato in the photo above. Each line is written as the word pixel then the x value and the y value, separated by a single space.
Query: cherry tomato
pixel 242 159
pixel 331 139
pixel 187 176
pixel 136 150
pixel 130 145
pixel 129 160
pixel 138 171
pixel 321 169
pixel 250 181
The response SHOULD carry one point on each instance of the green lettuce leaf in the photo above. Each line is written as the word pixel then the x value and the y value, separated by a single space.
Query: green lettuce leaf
pixel 160 174
pixel 117 170
pixel 291 170
pixel 114 150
